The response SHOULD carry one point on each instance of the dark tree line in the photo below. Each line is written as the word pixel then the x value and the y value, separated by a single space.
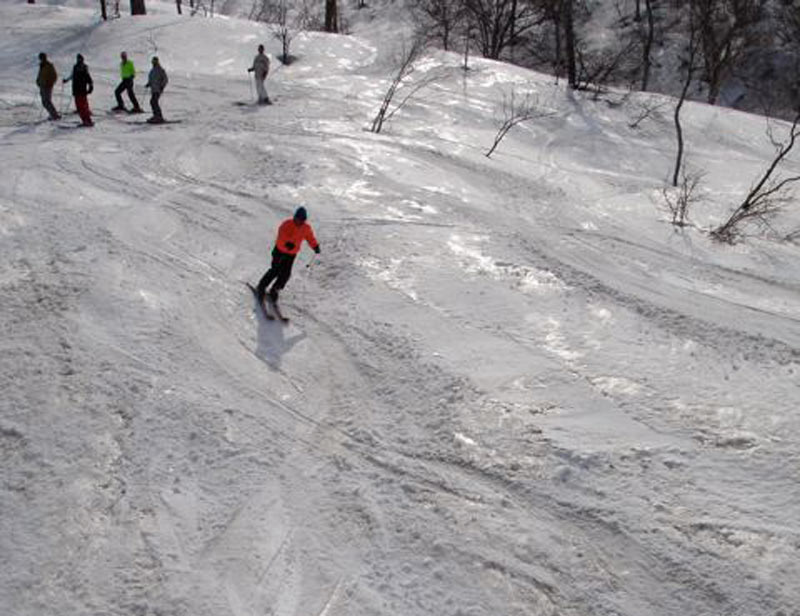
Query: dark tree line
pixel 557 35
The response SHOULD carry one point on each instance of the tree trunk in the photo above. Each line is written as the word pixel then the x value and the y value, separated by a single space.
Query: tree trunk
pixel 138 8
pixel 103 10
pixel 331 16
pixel 513 33
pixel 467 38
pixel 556 19
pixel 648 44
pixel 677 116
pixel 569 43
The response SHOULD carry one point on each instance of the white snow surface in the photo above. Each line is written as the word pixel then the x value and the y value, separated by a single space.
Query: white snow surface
pixel 508 385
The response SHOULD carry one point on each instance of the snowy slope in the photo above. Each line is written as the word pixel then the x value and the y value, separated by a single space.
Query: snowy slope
pixel 508 386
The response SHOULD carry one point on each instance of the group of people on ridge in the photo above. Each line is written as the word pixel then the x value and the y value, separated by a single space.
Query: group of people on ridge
pixel 83 86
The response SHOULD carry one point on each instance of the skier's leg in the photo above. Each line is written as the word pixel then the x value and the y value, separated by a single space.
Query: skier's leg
pixel 284 273
pixel 82 104
pixel 118 94
pixel 269 276
pixel 260 89
pixel 131 94
pixel 261 287
pixel 47 102
pixel 156 106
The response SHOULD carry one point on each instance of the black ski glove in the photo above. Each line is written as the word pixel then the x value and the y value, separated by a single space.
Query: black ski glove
pixel 289 245
pixel 316 250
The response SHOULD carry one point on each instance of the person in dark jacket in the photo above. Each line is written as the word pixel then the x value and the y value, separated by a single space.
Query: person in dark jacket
pixel 291 234
pixel 46 79
pixel 127 73
pixel 156 80
pixel 82 87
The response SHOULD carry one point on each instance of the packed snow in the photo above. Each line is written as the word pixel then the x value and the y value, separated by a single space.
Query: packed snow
pixel 509 386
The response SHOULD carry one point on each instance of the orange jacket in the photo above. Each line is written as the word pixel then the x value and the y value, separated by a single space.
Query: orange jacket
pixel 291 235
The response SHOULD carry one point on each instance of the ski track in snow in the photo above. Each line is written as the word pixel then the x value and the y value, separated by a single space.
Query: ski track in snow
pixel 506 388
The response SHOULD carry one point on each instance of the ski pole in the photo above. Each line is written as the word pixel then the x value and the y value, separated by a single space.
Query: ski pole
pixel 33 103
pixel 64 102
pixel 41 108
pixel 61 100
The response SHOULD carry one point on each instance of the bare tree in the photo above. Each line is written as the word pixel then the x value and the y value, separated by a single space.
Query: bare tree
pixel 551 17
pixel 138 7
pixel 283 21
pixel 647 36
pixel 645 110
pixel 282 30
pixel 597 69
pixel 408 56
pixel 768 195
pixel 467 39
pixel 568 22
pixel 499 23
pixel 726 30
pixel 690 67
pixel 788 16
pixel 515 111
pixel 441 18
pixel 555 38
pixel 680 200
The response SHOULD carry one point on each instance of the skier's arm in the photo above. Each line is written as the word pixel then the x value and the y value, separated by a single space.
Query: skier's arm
pixel 311 239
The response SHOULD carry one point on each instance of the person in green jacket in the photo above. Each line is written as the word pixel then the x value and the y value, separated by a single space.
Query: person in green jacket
pixel 127 72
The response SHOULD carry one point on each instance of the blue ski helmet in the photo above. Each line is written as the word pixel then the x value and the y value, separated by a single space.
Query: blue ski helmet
pixel 300 213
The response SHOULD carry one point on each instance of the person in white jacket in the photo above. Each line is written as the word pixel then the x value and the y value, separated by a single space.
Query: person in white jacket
pixel 260 69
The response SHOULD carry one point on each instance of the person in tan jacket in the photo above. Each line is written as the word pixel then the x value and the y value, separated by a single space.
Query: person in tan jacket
pixel 46 79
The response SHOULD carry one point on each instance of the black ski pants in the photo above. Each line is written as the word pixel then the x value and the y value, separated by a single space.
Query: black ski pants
pixel 46 95
pixel 280 271
pixel 126 85
pixel 155 106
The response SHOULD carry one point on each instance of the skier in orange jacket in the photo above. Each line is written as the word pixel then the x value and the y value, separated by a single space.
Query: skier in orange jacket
pixel 291 234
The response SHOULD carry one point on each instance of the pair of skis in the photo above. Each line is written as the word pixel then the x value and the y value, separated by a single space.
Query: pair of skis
pixel 269 308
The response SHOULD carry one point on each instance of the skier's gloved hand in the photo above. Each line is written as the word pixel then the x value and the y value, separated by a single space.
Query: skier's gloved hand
pixel 250 70
pixel 317 250
pixel 289 245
